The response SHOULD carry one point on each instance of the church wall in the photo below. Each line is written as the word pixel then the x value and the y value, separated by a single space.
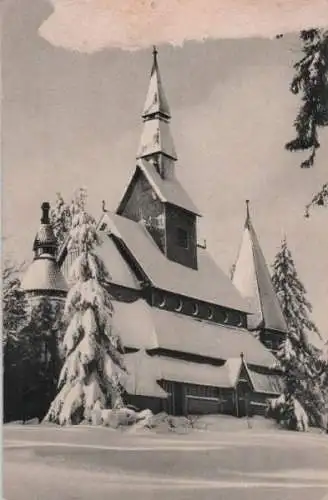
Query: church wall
pixel 181 238
pixel 143 204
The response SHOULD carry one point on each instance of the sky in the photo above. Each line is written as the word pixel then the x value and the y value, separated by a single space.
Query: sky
pixel 72 101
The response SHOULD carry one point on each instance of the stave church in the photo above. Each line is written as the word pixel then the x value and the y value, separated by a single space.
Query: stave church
pixel 195 341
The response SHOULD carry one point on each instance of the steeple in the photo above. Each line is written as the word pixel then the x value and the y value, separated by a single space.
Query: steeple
pixel 156 144
pixel 252 278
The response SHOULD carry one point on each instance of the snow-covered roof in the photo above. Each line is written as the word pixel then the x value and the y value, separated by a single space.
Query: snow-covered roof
pixel 142 375
pixel 266 384
pixel 207 283
pixel 252 278
pixel 169 190
pixel 177 332
pixel 120 272
pixel 44 274
pixel 145 371
pixel 133 322
pixel 142 326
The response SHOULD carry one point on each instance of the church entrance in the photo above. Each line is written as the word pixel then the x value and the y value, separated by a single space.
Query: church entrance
pixel 243 397
pixel 179 399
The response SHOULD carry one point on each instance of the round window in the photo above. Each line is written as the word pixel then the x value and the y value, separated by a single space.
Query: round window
pixel 195 310
pixel 210 313
pixel 179 305
pixel 161 301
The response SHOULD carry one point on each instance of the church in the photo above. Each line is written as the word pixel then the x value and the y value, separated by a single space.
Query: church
pixel 195 341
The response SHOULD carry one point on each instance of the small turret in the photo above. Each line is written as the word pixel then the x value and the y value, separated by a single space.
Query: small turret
pixel 45 241
pixel 43 276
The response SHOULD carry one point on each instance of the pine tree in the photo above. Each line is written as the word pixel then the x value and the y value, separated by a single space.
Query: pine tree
pixel 13 303
pixel 298 357
pixel 90 378
pixel 311 82
pixel 14 344
pixel 45 328
pixel 292 296
pixel 30 355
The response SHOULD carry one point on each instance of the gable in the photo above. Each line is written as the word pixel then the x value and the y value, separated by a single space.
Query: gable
pixel 142 203
pixel 168 190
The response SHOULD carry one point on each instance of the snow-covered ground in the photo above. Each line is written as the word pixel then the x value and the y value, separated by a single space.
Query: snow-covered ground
pixel 81 462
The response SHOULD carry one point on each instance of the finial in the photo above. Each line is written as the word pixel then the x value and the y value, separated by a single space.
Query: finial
pixel 45 207
pixel 103 206
pixel 155 52
pixel 248 217
pixel 242 356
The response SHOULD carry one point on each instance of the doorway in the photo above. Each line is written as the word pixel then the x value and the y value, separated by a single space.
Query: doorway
pixel 243 393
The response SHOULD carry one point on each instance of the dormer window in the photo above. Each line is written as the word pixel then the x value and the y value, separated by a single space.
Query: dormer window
pixel 182 238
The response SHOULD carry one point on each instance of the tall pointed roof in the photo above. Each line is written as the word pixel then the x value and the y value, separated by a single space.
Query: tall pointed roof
pixel 156 137
pixel 156 102
pixel 252 278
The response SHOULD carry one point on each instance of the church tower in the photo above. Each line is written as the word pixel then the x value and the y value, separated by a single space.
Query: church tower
pixel 43 277
pixel 252 279
pixel 154 195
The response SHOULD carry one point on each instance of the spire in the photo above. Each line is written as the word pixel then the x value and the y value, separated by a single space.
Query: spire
pixel 252 278
pixel 156 144
pixel 156 102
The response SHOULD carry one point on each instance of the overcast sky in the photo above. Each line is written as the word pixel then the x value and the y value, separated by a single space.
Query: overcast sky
pixel 72 118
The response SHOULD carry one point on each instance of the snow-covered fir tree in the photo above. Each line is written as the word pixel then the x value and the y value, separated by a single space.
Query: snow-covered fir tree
pixel 299 359
pixel 90 378
pixel 61 218
pixel 292 296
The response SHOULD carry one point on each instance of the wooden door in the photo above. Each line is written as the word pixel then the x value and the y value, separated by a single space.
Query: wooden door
pixel 242 399
pixel 179 399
